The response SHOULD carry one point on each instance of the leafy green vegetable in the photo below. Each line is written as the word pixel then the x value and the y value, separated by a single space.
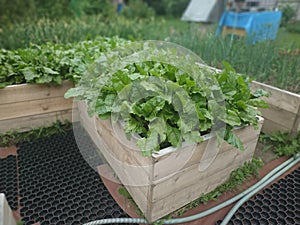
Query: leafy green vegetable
pixel 168 104
pixel 52 62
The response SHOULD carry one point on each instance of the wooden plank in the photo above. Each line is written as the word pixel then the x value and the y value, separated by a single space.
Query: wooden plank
pixel 188 176
pixel 280 98
pixel 126 174
pixel 176 200
pixel 135 168
pixel 284 107
pixel 125 152
pixel 279 116
pixel 29 92
pixel 270 127
pixel 190 155
pixel 34 107
pixel 27 123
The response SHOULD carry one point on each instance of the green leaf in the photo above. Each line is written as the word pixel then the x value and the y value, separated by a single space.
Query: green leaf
pixel 192 137
pixel 74 92
pixel 136 125
pixel 136 76
pixel 232 118
pixel 57 79
pixel 174 136
pixel 233 140
pixel 260 93
pixel 120 79
pixel 150 108
pixel 228 67
pixel 105 106
pixel 147 145
pixel 157 134
pixel 30 74
pixel 50 71
pixel 258 103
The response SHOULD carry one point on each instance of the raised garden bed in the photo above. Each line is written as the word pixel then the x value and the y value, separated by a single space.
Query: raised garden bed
pixel 162 183
pixel 28 106
pixel 283 113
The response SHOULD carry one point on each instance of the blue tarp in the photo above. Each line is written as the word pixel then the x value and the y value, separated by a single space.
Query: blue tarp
pixel 259 26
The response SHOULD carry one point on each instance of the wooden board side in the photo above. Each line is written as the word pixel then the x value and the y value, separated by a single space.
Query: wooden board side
pixel 193 154
pixel 29 92
pixel 27 123
pixel 279 98
pixel 34 107
pixel 186 177
pixel 136 178
pixel 178 199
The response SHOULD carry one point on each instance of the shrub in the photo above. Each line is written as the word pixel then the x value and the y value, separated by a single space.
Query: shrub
pixel 288 12
pixel 138 9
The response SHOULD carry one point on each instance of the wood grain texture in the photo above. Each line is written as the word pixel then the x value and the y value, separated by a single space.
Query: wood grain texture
pixel 34 107
pixel 28 106
pixel 29 92
pixel 280 98
pixel 124 162
pixel 27 123
pixel 283 112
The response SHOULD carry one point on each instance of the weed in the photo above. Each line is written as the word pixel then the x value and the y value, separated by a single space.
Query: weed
pixel 281 143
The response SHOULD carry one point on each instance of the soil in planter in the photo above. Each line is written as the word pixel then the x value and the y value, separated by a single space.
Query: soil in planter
pixel 57 186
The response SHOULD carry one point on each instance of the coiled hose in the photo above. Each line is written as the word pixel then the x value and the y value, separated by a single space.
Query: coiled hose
pixel 244 196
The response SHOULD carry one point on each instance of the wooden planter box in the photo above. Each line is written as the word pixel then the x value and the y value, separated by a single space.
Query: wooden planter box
pixel 28 106
pixel 283 113
pixel 170 178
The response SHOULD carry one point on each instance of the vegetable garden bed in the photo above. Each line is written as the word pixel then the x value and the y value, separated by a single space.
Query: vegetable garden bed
pixel 165 182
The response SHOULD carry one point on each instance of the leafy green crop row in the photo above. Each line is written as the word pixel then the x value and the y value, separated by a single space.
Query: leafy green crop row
pixel 51 62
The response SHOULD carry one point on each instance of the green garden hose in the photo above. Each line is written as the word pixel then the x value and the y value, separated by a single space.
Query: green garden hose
pixel 245 195
pixel 249 195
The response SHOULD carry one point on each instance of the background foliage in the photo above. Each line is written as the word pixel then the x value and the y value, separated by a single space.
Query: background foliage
pixel 69 21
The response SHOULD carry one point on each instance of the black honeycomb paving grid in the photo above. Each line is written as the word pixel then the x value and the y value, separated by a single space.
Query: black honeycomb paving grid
pixel 57 186
pixel 8 180
pixel 277 205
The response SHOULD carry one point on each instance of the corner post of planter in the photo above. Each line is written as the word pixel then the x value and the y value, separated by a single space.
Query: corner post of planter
pixel 296 126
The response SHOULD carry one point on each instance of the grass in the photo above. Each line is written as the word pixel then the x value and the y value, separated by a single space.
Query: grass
pixel 286 39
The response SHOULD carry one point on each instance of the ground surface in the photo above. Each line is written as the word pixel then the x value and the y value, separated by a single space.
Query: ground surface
pixel 48 181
